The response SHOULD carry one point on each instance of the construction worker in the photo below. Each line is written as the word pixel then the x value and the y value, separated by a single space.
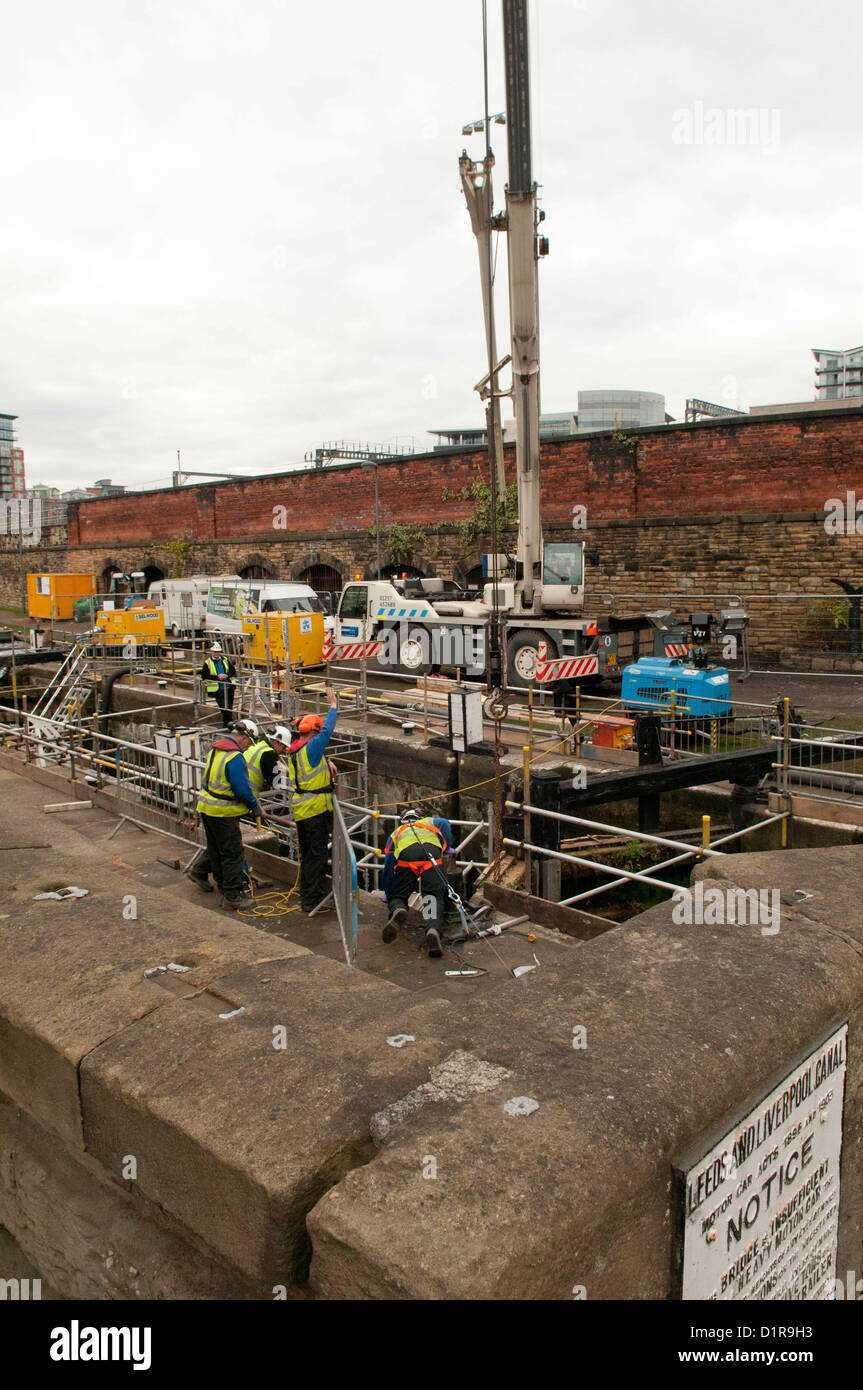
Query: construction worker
pixel 312 782
pixel 414 864
pixel 218 673
pixel 225 796
pixel 262 756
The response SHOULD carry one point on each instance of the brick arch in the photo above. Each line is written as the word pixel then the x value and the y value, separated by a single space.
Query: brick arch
pixel 417 565
pixel 256 566
pixel 109 567
pixel 462 568
pixel 319 557
pixel 154 569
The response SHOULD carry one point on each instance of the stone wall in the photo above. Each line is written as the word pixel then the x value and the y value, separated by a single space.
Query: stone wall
pixel 156 1143
pixel 780 563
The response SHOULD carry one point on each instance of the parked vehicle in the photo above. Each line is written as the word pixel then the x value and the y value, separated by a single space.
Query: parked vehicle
pixel 184 601
pixel 231 600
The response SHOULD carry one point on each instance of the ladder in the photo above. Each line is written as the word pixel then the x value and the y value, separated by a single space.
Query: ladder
pixel 64 695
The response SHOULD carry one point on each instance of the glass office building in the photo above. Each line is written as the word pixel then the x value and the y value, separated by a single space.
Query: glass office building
pixel 619 410
pixel 838 374
pixel 11 459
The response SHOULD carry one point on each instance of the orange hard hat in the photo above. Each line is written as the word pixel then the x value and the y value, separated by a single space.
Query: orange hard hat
pixel 310 724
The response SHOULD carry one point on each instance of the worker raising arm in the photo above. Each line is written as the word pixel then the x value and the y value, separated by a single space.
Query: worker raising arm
pixel 312 781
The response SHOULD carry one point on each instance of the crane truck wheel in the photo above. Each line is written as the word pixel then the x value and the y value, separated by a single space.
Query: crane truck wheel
pixel 522 656
pixel 414 652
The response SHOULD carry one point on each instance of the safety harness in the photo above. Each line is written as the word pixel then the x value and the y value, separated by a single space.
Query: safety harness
pixel 399 837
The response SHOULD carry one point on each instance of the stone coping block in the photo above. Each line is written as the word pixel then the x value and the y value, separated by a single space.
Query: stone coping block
pixel 89 1237
pixel 238 1138
pixel 72 973
pixel 823 886
pixel 683 1025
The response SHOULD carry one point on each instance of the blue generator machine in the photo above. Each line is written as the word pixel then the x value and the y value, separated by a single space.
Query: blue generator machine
pixel 700 692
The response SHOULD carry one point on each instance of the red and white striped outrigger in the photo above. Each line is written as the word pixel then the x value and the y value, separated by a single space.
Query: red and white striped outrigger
pixel 676 649
pixel 352 651
pixel 566 668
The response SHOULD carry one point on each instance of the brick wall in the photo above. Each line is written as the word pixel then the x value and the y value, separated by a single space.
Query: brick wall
pixel 750 464
pixel 699 513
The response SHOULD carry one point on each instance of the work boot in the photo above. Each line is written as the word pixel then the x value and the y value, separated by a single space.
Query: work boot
pixel 237 900
pixel 397 919
pixel 200 881
pixel 433 942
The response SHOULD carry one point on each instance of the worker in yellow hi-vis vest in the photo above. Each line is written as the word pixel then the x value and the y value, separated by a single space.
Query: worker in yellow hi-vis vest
pixel 313 783
pixel 218 674
pixel 226 795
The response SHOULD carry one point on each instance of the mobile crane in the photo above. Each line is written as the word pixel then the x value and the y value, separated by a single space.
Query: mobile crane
pixel 528 610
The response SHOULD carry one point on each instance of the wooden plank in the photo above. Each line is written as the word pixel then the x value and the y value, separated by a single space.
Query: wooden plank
pixel 571 920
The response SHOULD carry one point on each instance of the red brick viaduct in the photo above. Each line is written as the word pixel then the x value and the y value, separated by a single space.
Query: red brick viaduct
pixel 720 508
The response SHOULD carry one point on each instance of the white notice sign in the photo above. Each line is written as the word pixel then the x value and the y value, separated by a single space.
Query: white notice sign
pixel 761 1207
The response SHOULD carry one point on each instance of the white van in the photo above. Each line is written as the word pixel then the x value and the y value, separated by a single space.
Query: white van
pixel 184 601
pixel 231 600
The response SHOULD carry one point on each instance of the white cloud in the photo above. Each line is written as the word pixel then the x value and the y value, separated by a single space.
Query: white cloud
pixel 251 212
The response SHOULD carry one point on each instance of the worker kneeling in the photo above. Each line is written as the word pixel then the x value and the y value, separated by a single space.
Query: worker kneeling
pixel 226 795
pixel 414 864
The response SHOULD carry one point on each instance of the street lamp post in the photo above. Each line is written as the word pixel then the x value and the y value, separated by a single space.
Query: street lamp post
pixel 372 463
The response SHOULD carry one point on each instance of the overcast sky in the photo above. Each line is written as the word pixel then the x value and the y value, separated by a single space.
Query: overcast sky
pixel 235 227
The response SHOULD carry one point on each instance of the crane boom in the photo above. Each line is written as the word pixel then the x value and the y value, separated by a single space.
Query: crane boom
pixel 523 298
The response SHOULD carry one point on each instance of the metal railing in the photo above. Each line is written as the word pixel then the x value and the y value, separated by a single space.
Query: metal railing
pixel 371 849
pixel 617 874
pixel 819 761
pixel 698 725
pixel 156 788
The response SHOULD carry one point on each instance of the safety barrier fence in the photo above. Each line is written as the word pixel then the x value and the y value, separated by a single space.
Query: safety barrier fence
pixel 154 787
pixel 157 787
pixel 699 725
pixel 817 631
pixel 345 884
pixel 819 761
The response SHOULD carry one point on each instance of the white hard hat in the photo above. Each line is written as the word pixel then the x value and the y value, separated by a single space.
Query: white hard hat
pixel 216 647
pixel 281 734
pixel 249 725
